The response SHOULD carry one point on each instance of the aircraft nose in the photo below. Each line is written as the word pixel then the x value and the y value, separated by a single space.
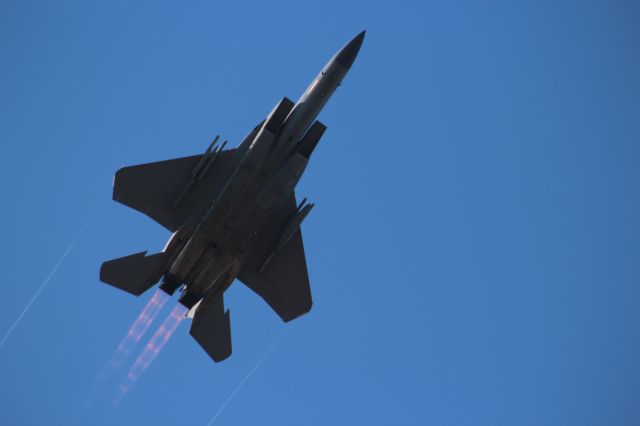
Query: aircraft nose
pixel 348 53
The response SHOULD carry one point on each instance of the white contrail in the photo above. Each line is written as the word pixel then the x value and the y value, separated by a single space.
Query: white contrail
pixel 243 381
pixel 46 281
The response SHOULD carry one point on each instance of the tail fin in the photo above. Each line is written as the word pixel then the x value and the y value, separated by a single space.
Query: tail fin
pixel 135 273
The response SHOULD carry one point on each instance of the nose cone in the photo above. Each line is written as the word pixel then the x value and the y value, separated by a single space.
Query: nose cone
pixel 348 53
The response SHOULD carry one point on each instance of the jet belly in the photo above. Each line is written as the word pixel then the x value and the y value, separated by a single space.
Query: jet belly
pixel 220 233
pixel 213 259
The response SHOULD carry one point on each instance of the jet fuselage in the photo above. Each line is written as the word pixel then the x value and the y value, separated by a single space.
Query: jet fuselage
pixel 268 172
pixel 234 214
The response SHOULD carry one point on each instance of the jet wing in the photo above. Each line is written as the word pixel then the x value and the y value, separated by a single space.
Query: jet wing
pixel 283 282
pixel 172 190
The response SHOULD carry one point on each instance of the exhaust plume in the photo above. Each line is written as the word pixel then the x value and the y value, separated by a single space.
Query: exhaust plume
pixel 152 349
pixel 135 333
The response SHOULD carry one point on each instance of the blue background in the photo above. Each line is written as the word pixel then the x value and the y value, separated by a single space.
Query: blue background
pixel 475 248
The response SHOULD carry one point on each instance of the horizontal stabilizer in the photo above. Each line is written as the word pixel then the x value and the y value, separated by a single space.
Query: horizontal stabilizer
pixel 211 328
pixel 135 273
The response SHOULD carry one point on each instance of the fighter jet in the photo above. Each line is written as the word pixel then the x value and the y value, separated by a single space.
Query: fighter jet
pixel 233 214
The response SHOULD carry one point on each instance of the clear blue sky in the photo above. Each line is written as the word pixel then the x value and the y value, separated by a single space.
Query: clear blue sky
pixel 474 251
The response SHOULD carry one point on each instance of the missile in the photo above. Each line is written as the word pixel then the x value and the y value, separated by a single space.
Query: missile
pixel 290 229
pixel 204 158
pixel 210 159
pixel 198 172
pixel 294 224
